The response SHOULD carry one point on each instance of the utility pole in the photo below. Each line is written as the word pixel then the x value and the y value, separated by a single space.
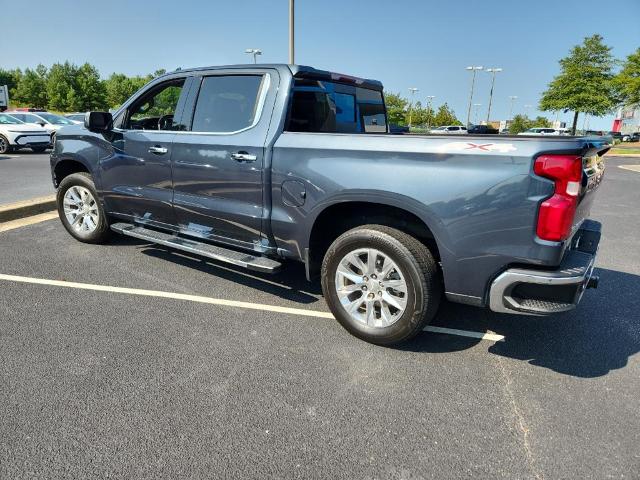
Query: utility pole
pixel 292 32
pixel 413 91
pixel 473 81
pixel 429 100
pixel 493 72
pixel 254 52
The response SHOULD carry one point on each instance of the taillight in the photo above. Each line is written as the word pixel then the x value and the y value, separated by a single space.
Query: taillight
pixel 556 214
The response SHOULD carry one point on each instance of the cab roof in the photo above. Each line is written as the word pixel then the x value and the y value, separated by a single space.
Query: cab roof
pixel 298 71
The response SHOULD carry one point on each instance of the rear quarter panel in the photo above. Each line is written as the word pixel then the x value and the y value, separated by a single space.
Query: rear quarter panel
pixel 476 194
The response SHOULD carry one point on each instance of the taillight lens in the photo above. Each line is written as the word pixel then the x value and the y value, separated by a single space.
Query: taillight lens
pixel 556 214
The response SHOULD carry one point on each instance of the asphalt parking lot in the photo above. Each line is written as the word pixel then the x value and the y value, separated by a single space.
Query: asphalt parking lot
pixel 24 175
pixel 154 364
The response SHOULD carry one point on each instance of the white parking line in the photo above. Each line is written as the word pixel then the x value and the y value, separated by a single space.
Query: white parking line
pixel 633 168
pixel 227 303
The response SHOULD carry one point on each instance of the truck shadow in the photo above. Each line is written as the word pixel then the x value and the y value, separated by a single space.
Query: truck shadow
pixel 597 337
pixel 589 342
pixel 290 283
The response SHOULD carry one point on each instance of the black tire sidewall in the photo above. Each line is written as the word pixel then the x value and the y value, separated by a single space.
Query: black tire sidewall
pixel 407 324
pixel 101 232
pixel 8 146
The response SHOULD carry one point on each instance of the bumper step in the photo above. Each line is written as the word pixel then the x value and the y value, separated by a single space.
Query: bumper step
pixel 245 260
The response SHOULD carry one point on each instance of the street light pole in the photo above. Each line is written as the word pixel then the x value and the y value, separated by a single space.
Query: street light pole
pixel 513 98
pixel 429 100
pixel 291 32
pixel 473 81
pixel 413 91
pixel 475 112
pixel 254 52
pixel 493 72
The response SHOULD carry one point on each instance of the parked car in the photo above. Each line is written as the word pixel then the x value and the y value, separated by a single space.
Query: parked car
pixel 50 121
pixel 15 134
pixel 398 129
pixel 449 130
pixel 616 135
pixel 632 137
pixel 598 133
pixel 482 130
pixel 540 131
pixel 76 117
pixel 254 165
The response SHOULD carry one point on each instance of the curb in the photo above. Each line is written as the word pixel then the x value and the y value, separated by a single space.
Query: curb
pixel 27 208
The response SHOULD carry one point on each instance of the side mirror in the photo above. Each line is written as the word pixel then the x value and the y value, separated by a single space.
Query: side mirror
pixel 42 124
pixel 98 121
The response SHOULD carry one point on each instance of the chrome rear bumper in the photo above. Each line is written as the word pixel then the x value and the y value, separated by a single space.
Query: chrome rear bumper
pixel 543 292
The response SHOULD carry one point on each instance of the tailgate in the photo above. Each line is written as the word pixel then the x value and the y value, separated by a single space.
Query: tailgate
pixel 593 167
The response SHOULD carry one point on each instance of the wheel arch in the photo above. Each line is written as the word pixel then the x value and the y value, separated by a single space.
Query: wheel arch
pixel 66 166
pixel 331 219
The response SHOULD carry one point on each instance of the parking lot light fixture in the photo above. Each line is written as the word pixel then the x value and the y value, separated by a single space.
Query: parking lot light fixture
pixel 493 72
pixel 413 91
pixel 255 52
pixel 473 70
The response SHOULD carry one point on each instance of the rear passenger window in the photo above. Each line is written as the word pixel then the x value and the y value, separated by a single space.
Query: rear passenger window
pixel 328 107
pixel 227 103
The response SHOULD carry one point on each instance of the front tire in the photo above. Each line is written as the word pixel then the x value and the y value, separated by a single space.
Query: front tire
pixel 381 284
pixel 80 210
pixel 5 146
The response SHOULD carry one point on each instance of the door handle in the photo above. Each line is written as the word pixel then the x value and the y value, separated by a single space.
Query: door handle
pixel 243 157
pixel 158 150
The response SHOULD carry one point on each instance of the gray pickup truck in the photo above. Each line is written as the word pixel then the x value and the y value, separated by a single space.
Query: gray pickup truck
pixel 255 164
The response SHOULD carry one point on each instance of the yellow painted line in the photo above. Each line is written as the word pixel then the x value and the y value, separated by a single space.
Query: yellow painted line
pixel 222 302
pixel 633 168
pixel 27 203
pixel 23 222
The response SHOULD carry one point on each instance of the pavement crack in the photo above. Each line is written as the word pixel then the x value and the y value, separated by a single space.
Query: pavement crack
pixel 519 420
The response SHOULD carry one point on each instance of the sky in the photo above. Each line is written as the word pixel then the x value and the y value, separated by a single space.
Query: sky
pixel 403 43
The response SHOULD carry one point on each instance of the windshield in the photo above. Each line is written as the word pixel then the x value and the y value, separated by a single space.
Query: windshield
pixel 8 119
pixel 55 119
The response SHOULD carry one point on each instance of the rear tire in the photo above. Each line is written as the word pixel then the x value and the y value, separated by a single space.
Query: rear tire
pixel 80 210
pixel 379 305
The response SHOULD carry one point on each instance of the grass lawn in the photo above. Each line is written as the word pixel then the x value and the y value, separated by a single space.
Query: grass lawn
pixel 625 151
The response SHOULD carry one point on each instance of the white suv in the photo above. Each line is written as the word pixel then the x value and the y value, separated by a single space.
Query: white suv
pixel 15 134
pixel 50 121
pixel 450 130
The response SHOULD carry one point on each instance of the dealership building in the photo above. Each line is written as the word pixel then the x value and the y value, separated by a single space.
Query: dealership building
pixel 627 120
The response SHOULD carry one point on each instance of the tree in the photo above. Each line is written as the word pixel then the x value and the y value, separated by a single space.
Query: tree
pixel 396 108
pixel 119 88
pixel 627 82
pixel 91 92
pixel 445 116
pixel 585 83
pixel 521 123
pixel 31 89
pixel 60 82
pixel 10 78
